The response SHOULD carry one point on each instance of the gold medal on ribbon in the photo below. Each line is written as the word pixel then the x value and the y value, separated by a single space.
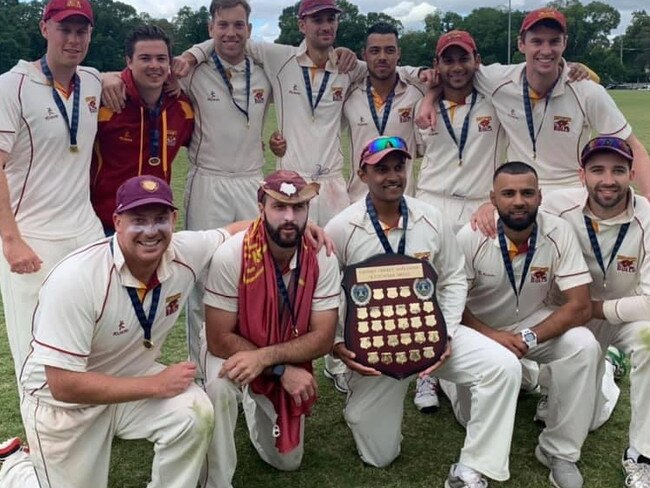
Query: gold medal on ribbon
pixel 147 343
pixel 154 161
pixel 74 148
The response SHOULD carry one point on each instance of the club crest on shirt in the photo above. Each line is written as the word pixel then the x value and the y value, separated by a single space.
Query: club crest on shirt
pixel 258 95
pixel 626 264
pixel 337 93
pixel 92 104
pixel 561 124
pixel 484 123
pixel 405 114
pixel 172 138
pixel 126 137
pixel 539 274
pixel 121 329
pixel 171 304
pixel 50 114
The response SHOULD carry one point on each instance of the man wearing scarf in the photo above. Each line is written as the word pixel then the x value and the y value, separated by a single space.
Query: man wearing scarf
pixel 271 308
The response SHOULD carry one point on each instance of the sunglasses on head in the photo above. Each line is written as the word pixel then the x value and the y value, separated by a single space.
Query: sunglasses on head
pixel 382 143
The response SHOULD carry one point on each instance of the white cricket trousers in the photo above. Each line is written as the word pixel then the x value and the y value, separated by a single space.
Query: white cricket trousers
pixel 458 210
pixel 573 374
pixel 20 291
pixel 214 199
pixel 375 405
pixel 70 448
pixel 633 338
pixel 261 419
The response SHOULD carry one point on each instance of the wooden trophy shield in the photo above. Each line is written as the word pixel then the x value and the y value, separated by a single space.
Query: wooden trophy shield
pixel 393 323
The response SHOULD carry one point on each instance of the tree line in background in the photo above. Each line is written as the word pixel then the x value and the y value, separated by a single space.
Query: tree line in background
pixel 624 58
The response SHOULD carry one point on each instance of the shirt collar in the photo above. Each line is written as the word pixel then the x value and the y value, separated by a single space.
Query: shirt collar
pixel 363 220
pixel 517 78
pixel 622 218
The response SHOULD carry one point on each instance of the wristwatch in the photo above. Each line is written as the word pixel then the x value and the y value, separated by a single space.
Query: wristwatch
pixel 529 337
pixel 277 371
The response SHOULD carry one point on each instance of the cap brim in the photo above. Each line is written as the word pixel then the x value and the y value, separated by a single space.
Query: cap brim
pixel 530 25
pixel 144 201
pixel 320 8
pixel 307 193
pixel 377 157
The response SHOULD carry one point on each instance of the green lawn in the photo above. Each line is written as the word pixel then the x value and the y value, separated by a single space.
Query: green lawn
pixel 431 442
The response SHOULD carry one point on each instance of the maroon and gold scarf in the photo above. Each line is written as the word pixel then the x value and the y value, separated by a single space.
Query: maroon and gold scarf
pixel 260 321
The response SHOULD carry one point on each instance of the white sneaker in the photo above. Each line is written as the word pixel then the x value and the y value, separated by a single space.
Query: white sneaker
pixel 637 474
pixel 461 476
pixel 426 394
pixel 340 380
pixel 9 447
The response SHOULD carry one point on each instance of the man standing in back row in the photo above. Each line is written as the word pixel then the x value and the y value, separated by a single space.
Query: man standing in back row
pixel 48 120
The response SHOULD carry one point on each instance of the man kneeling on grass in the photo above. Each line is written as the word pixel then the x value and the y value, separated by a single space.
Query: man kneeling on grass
pixel 271 308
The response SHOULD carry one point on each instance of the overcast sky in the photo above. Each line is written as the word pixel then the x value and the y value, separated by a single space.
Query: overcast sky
pixel 411 12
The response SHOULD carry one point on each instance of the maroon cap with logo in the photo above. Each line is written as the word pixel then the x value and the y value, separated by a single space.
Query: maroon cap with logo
pixel 545 13
pixel 310 7
pixel 143 190
pixel 606 144
pixel 59 10
pixel 459 38
pixel 288 187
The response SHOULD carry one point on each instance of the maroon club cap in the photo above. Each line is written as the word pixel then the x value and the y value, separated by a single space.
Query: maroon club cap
pixel 310 7
pixel 459 38
pixel 606 144
pixel 59 10
pixel 543 14
pixel 143 190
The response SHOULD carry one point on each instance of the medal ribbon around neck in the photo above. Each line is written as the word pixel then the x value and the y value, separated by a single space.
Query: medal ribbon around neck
pixel 532 242
pixel 595 247
pixel 464 131
pixel 313 105
pixel 154 133
pixel 381 127
pixel 282 288
pixel 145 321
pixel 224 76
pixel 372 213
pixel 72 125
pixel 528 108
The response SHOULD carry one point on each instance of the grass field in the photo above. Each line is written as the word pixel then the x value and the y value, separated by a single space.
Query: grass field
pixel 431 442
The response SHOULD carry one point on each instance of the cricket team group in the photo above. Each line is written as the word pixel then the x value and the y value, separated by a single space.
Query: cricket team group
pixel 531 206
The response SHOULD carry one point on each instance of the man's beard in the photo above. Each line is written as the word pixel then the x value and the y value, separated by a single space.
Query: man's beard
pixel 518 225
pixel 276 237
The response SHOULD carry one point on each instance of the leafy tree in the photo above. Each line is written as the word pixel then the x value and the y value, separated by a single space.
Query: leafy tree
pixel 191 27
pixel 636 47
